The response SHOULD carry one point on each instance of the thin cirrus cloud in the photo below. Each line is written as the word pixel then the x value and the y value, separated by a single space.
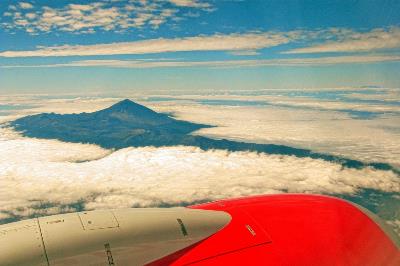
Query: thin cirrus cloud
pixel 91 17
pixel 216 42
pixel 351 41
pixel 161 63
pixel 240 44
pixel 237 63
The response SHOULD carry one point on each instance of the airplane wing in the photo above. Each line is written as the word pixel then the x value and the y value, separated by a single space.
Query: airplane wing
pixel 286 229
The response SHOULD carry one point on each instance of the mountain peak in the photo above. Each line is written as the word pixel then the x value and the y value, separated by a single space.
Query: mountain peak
pixel 126 101
pixel 128 106
pixel 134 113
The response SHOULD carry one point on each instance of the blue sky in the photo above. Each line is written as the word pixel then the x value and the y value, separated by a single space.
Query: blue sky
pixel 64 46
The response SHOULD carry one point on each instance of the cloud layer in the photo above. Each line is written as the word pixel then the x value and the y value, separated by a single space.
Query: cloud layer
pixel 46 173
pixel 326 126
pixel 299 122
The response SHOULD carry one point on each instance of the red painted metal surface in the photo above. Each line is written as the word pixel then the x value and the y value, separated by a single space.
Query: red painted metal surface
pixel 290 229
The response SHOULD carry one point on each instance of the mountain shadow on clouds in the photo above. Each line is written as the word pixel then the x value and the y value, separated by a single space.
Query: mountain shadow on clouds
pixel 128 124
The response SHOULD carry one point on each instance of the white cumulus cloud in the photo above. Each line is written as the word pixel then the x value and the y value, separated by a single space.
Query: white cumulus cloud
pixel 46 173
pixel 97 16
pixel 25 5
pixel 190 3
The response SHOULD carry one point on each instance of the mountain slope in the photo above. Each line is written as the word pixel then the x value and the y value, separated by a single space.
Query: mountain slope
pixel 124 124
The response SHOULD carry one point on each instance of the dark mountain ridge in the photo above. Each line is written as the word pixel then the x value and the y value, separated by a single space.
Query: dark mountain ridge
pixel 128 124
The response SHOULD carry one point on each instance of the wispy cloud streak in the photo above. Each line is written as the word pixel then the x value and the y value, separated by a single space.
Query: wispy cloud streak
pixel 247 43
pixel 220 64
pixel 351 41
pixel 217 42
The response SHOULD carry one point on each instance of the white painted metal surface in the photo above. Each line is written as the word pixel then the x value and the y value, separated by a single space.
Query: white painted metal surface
pixel 117 237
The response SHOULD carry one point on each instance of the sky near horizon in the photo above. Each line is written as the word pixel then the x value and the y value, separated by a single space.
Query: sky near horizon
pixel 193 45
